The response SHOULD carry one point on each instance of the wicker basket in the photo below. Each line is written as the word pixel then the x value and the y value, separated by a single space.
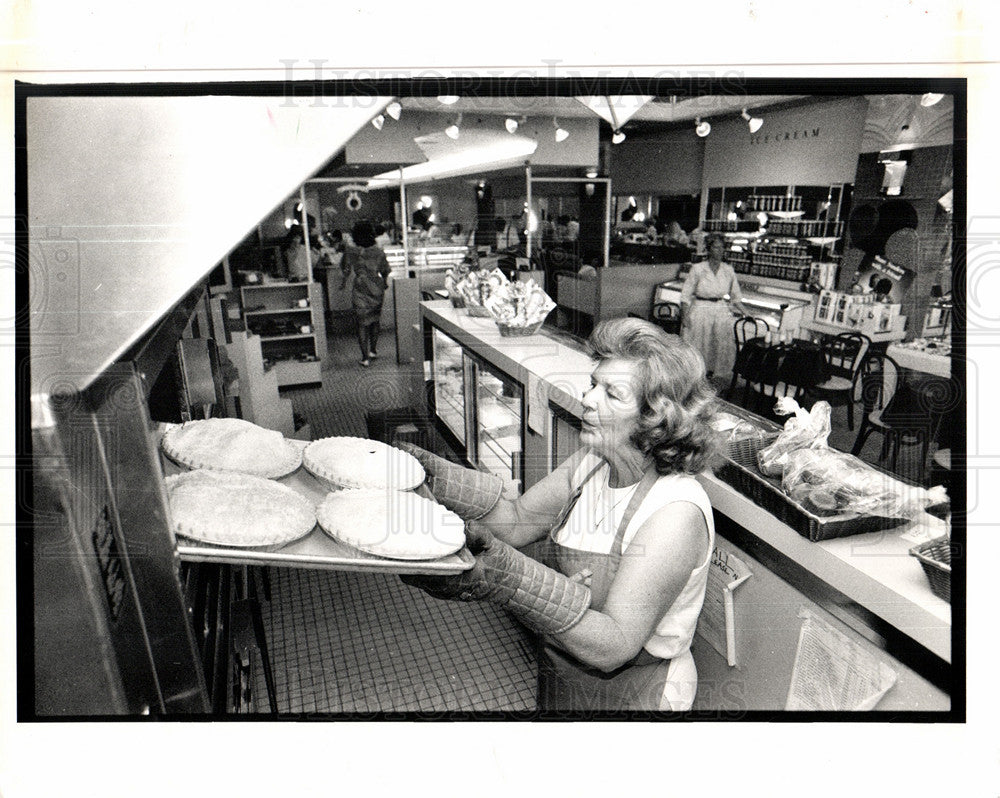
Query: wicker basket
pixel 935 558
pixel 508 331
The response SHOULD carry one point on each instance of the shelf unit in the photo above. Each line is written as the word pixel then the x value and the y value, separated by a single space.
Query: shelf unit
pixel 293 338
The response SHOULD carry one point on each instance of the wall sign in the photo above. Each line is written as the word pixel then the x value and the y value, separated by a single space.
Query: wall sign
pixel 353 190
pixel 787 135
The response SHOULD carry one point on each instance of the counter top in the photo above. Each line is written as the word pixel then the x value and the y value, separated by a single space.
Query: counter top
pixel 873 571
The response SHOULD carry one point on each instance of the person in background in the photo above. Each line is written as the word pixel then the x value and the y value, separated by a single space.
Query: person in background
pixel 384 238
pixel 371 279
pixel 509 234
pixel 675 234
pixel 710 294
pixel 297 258
pixel 573 230
pixel 615 629
pixel 651 228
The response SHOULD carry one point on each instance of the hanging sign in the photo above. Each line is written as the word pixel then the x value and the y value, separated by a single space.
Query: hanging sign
pixel 353 201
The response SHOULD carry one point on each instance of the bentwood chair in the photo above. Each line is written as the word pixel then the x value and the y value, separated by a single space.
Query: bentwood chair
pixel 668 316
pixel 844 356
pixel 903 415
pixel 744 328
pixel 770 380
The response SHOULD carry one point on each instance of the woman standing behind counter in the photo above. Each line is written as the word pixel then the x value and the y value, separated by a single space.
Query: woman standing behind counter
pixel 627 527
pixel 710 294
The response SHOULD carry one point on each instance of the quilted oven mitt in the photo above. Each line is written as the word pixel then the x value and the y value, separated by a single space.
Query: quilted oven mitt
pixel 542 598
pixel 467 492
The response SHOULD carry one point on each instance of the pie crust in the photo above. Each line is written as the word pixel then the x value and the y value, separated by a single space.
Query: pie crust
pixel 394 524
pixel 240 510
pixel 232 444
pixel 362 463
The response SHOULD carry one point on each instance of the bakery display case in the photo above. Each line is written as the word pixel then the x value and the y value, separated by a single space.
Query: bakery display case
pixel 497 414
pixel 448 375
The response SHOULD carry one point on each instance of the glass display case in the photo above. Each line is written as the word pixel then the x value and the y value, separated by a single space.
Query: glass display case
pixel 498 410
pixel 449 383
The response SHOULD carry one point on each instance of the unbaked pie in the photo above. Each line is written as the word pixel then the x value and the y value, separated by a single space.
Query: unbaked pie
pixel 393 524
pixel 232 444
pixel 362 463
pixel 230 509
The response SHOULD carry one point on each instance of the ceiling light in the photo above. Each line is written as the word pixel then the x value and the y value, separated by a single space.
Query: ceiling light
pixel 617 137
pixel 378 121
pixel 452 131
pixel 394 109
pixel 702 128
pixel 930 99
pixel 561 133
pixel 591 173
pixel 511 124
pixel 754 122
pixel 447 99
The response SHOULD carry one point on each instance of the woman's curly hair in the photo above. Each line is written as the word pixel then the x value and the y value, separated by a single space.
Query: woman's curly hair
pixel 676 402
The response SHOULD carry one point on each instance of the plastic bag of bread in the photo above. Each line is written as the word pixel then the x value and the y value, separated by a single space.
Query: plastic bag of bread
pixel 829 482
pixel 476 286
pixel 519 304
pixel 804 430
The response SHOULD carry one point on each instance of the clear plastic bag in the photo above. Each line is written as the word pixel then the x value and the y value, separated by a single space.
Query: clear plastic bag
pixel 804 430
pixel 828 482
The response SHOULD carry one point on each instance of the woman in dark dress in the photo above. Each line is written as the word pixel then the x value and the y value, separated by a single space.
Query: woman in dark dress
pixel 371 278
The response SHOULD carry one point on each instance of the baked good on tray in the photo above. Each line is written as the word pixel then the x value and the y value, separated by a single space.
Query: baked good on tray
pixel 232 444
pixel 362 463
pixel 393 524
pixel 229 509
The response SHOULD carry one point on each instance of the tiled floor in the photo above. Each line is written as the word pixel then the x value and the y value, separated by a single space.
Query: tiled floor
pixel 363 643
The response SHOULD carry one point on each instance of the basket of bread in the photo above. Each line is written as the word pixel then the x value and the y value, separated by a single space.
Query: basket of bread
pixel 477 286
pixel 820 492
pixel 519 308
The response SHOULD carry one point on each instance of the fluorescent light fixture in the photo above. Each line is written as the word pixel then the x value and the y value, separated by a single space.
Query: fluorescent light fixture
pixel 394 109
pixel 754 122
pixel 930 99
pixel 702 128
pixel 511 124
pixel 448 99
pixel 469 158
pixel 378 121
pixel 561 133
pixel 617 137
pixel 453 131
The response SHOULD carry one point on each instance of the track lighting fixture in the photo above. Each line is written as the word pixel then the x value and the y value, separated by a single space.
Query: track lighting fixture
pixel 511 124
pixel 930 99
pixel 754 122
pixel 617 137
pixel 378 121
pixel 702 128
pixel 447 99
pixel 394 109
pixel 453 131
pixel 561 133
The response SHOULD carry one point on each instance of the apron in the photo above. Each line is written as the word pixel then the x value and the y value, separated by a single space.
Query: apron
pixel 565 683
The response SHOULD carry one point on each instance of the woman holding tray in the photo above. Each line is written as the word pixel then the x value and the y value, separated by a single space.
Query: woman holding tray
pixel 623 532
